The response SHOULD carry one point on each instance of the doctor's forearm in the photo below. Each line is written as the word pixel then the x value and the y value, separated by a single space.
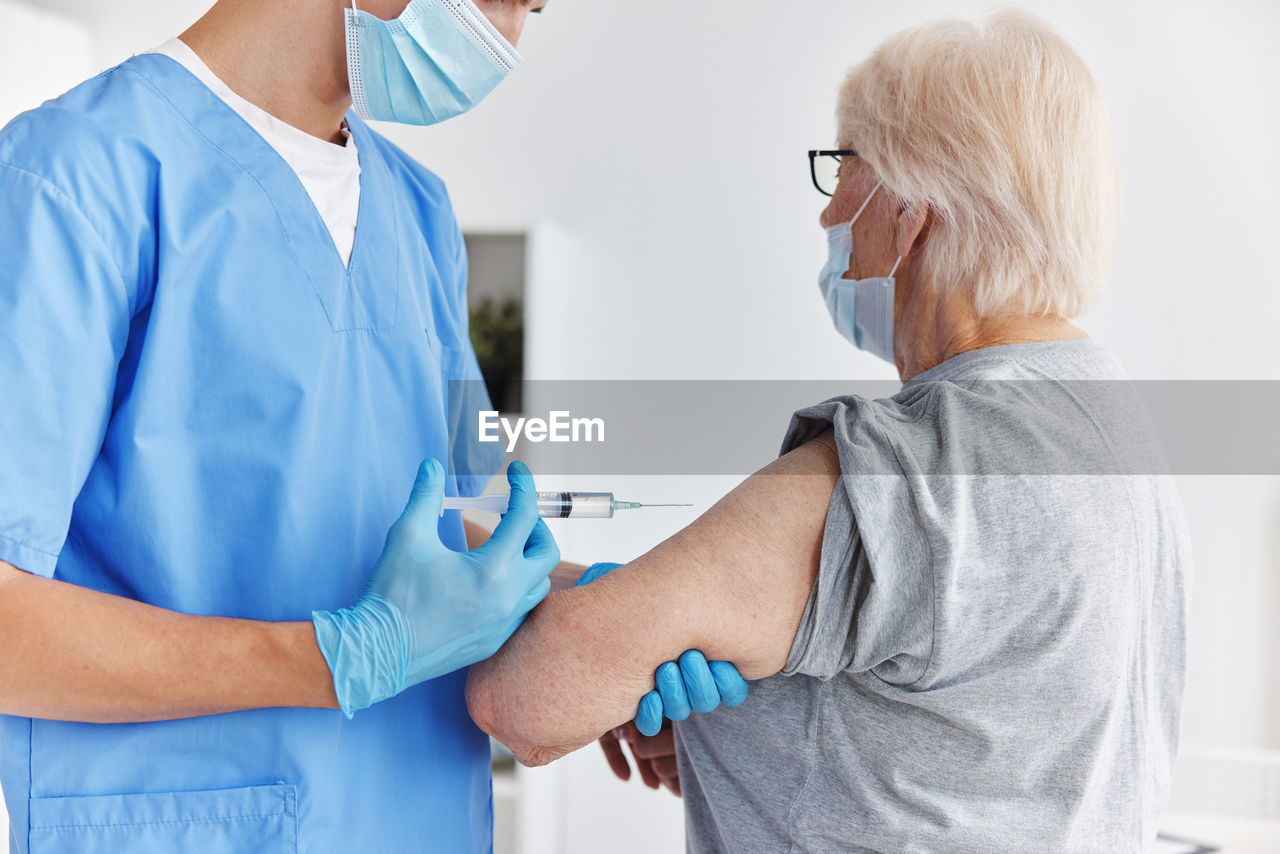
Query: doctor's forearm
pixel 69 653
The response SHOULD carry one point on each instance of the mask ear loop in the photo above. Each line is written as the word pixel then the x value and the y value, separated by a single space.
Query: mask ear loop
pixel 867 202
pixel 874 190
pixel 353 7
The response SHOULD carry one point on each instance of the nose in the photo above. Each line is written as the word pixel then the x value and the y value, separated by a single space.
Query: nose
pixel 828 217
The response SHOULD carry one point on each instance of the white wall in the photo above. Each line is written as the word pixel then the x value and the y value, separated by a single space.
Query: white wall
pixel 42 54
pixel 659 148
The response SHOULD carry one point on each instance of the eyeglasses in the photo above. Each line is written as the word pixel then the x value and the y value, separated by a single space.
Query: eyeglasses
pixel 824 169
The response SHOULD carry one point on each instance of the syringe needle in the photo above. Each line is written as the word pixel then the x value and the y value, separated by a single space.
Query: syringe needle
pixel 553 505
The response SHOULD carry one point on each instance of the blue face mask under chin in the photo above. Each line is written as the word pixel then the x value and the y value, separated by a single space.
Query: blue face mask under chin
pixel 861 309
pixel 437 60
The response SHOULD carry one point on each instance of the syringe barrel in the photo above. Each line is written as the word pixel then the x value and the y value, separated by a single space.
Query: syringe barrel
pixel 575 505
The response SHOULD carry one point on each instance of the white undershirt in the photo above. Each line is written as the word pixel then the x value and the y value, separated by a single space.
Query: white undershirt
pixel 329 172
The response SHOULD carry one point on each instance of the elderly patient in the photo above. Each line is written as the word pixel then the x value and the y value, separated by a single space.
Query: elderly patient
pixel 964 603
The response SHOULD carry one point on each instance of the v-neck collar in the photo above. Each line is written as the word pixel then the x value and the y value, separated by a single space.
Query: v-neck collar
pixel 356 295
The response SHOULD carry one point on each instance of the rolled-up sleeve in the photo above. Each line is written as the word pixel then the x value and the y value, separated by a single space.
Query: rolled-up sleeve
pixel 872 605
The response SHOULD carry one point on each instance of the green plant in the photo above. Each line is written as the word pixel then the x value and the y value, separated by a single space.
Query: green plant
pixel 497 334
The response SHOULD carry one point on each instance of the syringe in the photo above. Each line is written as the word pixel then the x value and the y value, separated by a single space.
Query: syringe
pixel 555 505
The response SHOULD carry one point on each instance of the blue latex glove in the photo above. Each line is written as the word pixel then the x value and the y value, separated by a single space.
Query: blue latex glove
pixel 429 610
pixel 693 685
pixel 596 570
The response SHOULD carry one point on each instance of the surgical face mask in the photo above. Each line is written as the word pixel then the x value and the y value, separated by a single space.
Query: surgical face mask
pixel 861 309
pixel 437 60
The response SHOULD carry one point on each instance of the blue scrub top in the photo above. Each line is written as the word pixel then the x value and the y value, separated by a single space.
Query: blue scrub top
pixel 203 409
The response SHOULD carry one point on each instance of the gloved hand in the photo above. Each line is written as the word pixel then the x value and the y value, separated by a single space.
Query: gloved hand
pixel 429 610
pixel 694 685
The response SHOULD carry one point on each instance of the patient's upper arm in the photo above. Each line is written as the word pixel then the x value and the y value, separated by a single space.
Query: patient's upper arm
pixel 734 584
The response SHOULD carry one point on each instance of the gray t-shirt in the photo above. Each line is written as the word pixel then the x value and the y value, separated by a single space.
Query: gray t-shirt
pixel 991 659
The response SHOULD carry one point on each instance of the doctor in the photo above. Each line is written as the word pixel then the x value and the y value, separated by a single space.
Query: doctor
pixel 233 324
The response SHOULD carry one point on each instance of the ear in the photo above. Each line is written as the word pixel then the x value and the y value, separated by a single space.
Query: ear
pixel 911 227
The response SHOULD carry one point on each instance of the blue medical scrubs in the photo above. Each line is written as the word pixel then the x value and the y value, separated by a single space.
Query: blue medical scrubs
pixel 201 408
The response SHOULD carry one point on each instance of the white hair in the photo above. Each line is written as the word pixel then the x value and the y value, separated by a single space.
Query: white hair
pixel 1001 129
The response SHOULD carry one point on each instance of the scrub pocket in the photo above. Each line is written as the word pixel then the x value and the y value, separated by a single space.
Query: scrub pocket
pixel 253 820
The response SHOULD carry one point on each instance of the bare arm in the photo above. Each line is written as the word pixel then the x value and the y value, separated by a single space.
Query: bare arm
pixel 68 653
pixel 734 584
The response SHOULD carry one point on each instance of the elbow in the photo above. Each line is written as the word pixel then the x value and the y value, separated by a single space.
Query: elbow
pixel 507 718
pixel 492 717
pixel 481 700
pixel 526 697
pixel 533 757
